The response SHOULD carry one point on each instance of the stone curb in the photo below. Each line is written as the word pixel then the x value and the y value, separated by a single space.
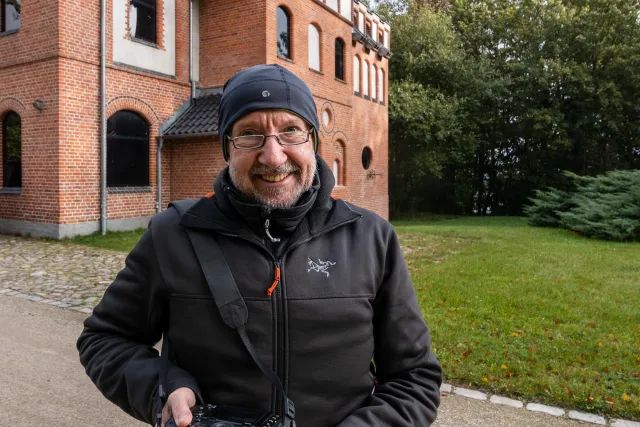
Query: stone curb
pixel 536 407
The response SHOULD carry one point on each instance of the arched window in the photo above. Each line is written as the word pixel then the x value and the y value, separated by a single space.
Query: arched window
pixel 336 171
pixel 365 78
pixel 127 150
pixel 356 74
pixel 339 59
pixel 314 47
pixel 374 88
pixel 283 36
pixel 12 150
pixel 381 85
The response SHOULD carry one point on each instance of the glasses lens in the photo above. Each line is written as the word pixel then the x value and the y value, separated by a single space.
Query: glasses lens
pixel 249 141
pixel 293 137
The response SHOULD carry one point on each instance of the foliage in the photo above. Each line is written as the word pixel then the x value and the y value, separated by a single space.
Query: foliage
pixel 516 91
pixel 538 314
pixel 605 206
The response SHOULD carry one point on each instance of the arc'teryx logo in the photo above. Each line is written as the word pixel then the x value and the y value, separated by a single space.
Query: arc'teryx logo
pixel 320 266
pixel 266 93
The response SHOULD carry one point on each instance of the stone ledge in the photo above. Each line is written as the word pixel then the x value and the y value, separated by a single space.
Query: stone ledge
pixel 551 410
pixel 472 394
pixel 588 418
pixel 500 400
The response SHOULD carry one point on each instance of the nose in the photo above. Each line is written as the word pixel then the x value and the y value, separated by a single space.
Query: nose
pixel 272 154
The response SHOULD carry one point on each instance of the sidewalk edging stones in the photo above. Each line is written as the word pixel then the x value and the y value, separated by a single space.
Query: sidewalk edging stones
pixel 537 407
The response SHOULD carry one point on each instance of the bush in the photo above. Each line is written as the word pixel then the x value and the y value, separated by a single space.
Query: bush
pixel 606 206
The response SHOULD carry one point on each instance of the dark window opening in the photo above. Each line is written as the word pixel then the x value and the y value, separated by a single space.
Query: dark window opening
pixel 127 150
pixel 283 33
pixel 142 20
pixel 366 157
pixel 9 15
pixel 339 59
pixel 12 150
pixel 368 29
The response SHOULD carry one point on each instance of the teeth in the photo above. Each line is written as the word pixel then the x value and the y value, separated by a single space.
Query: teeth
pixel 274 178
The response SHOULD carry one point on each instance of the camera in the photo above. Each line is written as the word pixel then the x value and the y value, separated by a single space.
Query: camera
pixel 232 416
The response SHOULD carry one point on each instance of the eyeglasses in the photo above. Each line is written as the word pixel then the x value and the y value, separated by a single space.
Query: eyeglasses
pixel 253 142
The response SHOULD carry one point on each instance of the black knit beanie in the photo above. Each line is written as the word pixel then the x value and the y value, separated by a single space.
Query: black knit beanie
pixel 264 87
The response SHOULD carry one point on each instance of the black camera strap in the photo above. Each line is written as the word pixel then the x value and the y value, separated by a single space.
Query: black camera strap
pixel 231 306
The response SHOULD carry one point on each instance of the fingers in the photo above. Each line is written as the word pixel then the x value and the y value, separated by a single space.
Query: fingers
pixel 178 405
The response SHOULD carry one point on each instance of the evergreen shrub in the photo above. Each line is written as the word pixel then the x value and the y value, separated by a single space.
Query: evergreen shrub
pixel 605 206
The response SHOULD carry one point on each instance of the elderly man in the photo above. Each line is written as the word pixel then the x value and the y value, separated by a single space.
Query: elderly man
pixel 328 293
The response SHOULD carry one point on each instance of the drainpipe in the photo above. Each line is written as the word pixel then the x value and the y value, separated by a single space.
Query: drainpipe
pixel 159 171
pixel 191 79
pixel 103 120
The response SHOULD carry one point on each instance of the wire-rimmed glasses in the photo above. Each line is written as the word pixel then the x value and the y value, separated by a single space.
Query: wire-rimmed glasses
pixel 253 142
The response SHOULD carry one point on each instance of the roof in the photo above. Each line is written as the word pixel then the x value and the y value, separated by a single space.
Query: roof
pixel 200 118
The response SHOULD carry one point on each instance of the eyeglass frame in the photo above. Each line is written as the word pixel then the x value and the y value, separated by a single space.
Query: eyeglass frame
pixel 264 140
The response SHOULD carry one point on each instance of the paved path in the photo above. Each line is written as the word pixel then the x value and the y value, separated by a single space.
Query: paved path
pixel 69 276
pixel 41 380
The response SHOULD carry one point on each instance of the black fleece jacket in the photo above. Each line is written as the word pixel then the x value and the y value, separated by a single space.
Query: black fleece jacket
pixel 344 297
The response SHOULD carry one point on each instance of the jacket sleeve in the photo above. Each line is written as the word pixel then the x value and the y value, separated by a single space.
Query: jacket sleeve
pixel 408 374
pixel 116 345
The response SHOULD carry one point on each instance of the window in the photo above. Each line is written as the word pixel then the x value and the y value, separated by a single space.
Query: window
pixel 336 168
pixel 283 34
pixel 333 4
pixel 381 85
pixel 374 72
pixel 366 157
pixel 345 8
pixel 356 74
pixel 142 20
pixel 339 59
pixel 374 31
pixel 380 36
pixel 127 150
pixel 365 78
pixel 386 39
pixel 314 47
pixel 361 22
pixel 12 150
pixel 9 15
pixel 368 28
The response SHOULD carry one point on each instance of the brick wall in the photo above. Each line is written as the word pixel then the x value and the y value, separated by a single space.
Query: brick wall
pixel 232 37
pixel 55 57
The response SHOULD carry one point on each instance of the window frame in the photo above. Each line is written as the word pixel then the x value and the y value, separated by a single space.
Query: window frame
pixel 289 53
pixel 5 147
pixel 144 159
pixel 154 6
pixel 339 59
pixel 318 47
pixel 364 78
pixel 373 78
pixel 3 18
pixel 357 86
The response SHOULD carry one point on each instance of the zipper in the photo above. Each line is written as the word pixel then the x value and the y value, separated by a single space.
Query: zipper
pixel 278 302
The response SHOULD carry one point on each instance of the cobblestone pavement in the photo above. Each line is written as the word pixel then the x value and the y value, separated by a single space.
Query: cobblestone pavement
pixel 60 274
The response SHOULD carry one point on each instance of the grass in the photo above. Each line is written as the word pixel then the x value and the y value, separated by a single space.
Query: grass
pixel 539 314
pixel 115 240
pixel 542 315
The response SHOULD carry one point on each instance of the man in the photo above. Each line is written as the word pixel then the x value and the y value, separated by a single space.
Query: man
pixel 324 281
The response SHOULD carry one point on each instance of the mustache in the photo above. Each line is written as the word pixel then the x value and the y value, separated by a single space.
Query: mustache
pixel 284 168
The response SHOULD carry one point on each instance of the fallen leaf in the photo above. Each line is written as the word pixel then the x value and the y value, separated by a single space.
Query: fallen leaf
pixel 503 366
pixel 626 397
pixel 485 379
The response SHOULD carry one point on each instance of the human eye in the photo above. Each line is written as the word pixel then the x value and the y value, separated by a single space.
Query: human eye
pixel 248 132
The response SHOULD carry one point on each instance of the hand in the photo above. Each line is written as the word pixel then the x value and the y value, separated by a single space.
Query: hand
pixel 178 406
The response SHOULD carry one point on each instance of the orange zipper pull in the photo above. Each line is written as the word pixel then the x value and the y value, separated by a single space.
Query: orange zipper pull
pixel 275 282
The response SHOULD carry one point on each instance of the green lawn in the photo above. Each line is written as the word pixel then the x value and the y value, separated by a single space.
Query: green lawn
pixel 116 240
pixel 538 314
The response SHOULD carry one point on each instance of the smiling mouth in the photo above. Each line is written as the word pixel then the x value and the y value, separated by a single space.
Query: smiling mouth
pixel 274 178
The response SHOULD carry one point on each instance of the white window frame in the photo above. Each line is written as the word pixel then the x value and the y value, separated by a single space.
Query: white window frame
pixel 365 78
pixel 314 47
pixel 356 74
pixel 381 85
pixel 374 72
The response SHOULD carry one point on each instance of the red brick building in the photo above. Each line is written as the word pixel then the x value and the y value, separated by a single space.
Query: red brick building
pixel 106 129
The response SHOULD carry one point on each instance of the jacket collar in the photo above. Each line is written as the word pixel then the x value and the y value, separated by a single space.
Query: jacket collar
pixel 218 214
